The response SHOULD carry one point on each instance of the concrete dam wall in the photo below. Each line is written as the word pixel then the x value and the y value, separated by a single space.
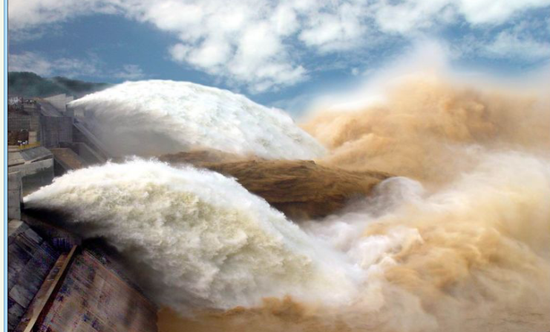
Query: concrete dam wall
pixel 57 282
pixel 84 289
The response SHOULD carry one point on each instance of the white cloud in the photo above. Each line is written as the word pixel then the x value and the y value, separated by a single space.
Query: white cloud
pixel 266 44
pixel 69 67
pixel 338 30
pixel 285 20
pixel 29 61
pixel 520 41
pixel 130 72
pixel 409 16
pixel 509 45
pixel 29 13
pixel 495 11
pixel 240 41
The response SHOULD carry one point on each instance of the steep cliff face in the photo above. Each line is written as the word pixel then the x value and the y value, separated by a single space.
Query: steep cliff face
pixel 300 189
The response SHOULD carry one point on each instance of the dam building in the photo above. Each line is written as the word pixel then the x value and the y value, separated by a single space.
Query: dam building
pixel 43 142
pixel 56 281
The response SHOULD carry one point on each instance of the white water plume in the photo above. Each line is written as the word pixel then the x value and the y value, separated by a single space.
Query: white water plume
pixel 198 239
pixel 157 117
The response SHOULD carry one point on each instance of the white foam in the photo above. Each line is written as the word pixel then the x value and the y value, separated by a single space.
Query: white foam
pixel 154 117
pixel 199 239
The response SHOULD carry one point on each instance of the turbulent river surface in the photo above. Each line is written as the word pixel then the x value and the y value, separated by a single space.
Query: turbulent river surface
pixel 458 239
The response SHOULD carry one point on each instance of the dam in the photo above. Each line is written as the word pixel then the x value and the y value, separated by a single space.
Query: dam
pixel 82 289
pixel 57 281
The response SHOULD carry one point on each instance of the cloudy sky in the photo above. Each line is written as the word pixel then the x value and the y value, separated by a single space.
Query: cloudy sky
pixel 275 52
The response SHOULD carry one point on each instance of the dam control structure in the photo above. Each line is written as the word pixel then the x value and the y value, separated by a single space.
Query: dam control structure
pixel 56 281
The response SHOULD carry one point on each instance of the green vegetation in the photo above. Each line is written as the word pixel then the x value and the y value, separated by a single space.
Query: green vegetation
pixel 27 84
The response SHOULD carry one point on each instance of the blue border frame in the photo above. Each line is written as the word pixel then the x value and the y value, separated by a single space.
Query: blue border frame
pixel 4 107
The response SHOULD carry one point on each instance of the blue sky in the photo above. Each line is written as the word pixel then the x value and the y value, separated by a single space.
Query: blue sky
pixel 275 52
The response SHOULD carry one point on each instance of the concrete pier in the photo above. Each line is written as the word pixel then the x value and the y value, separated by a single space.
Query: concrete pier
pixel 35 166
pixel 15 195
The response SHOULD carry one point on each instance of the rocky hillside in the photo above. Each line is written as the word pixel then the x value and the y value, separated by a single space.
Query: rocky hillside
pixel 28 85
